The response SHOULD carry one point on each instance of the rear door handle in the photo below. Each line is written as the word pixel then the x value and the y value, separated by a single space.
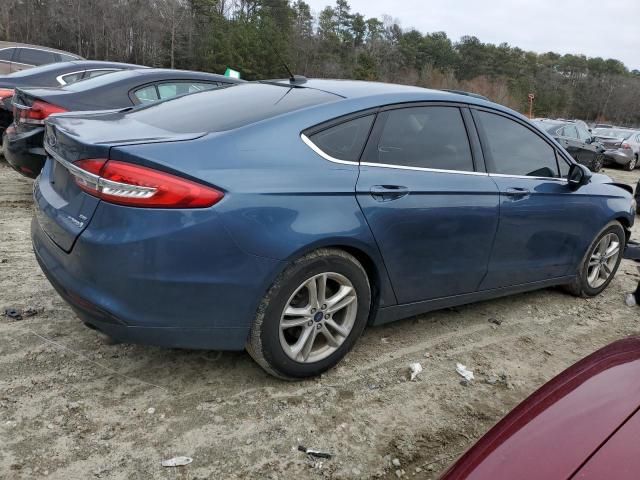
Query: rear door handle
pixel 386 193
pixel 517 192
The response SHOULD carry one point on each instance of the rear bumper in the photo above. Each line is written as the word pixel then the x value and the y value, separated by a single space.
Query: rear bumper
pixel 180 289
pixel 24 151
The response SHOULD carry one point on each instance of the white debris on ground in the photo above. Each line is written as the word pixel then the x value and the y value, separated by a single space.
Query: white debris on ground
pixel 177 462
pixel 415 369
pixel 464 372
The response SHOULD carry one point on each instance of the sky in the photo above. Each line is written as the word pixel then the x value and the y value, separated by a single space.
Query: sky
pixel 605 28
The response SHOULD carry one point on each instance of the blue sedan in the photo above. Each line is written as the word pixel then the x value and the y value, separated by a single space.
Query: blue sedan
pixel 284 217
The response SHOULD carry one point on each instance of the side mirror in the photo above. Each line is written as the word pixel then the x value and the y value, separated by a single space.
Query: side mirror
pixel 578 175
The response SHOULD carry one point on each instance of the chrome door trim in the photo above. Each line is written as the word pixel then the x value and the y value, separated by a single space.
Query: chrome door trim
pixel 422 169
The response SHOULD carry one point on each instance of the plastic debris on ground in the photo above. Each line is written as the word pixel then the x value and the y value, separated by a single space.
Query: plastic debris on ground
pixel 630 300
pixel 464 372
pixel 18 314
pixel 177 462
pixel 314 453
pixel 415 369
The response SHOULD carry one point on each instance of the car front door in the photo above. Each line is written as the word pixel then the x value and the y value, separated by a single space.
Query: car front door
pixel 541 218
pixel 432 208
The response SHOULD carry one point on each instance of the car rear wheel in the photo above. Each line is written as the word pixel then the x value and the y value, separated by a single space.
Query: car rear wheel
pixel 597 164
pixel 311 316
pixel 632 164
pixel 600 263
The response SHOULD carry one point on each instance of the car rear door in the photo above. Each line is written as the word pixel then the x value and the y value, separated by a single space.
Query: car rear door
pixel 6 55
pixel 542 221
pixel 428 201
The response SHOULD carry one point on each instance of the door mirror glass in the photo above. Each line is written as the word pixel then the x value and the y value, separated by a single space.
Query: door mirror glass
pixel 578 175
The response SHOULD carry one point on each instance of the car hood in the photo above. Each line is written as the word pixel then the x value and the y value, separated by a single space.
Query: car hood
pixel 553 432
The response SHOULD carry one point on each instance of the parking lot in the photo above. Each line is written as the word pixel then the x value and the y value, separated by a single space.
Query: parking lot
pixel 73 406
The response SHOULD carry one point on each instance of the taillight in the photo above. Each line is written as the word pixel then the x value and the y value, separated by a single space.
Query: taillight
pixel 36 113
pixel 5 93
pixel 136 186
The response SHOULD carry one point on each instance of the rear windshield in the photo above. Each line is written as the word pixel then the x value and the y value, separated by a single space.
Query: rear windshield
pixel 228 108
pixel 50 67
pixel 99 81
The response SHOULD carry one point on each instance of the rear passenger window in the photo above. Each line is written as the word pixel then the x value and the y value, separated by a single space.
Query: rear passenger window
pixel 98 73
pixel 425 137
pixel 31 56
pixel 71 78
pixel 147 94
pixel 513 149
pixel 346 140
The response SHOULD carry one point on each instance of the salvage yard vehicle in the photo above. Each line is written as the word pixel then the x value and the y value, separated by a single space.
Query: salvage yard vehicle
pixel 285 216
pixel 15 57
pixel 622 146
pixel 23 140
pixel 577 140
pixel 52 75
pixel 584 424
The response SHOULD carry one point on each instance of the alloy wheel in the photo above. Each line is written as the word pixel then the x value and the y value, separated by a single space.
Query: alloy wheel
pixel 603 260
pixel 318 317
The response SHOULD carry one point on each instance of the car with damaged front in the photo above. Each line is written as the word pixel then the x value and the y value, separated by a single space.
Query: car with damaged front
pixel 284 217
pixel 622 146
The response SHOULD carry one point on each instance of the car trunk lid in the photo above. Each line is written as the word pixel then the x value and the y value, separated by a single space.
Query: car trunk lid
pixel 63 209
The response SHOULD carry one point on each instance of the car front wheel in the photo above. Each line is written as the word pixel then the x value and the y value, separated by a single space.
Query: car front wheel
pixel 312 315
pixel 600 263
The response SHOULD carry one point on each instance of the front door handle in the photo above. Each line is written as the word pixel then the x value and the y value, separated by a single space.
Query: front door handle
pixel 386 193
pixel 517 192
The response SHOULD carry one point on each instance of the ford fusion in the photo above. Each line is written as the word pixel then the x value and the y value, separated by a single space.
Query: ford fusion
pixel 284 217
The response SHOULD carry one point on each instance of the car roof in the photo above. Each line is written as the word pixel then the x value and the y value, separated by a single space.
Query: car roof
pixel 38 47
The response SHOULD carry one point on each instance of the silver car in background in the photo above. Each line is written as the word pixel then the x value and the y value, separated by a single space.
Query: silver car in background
pixel 622 146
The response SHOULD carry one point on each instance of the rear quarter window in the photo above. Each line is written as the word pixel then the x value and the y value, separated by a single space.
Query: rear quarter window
pixel 346 140
pixel 229 107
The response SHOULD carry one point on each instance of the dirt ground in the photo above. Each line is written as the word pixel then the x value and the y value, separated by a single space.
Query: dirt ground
pixel 74 407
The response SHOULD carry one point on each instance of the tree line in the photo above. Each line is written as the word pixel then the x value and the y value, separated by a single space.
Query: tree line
pixel 257 36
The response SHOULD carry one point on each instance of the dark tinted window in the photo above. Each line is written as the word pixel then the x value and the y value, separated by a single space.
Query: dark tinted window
pixel 513 149
pixel 227 108
pixel 31 56
pixel 344 141
pixel 426 137
pixel 6 54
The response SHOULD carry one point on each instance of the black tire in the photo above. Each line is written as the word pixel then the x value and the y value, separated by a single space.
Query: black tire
pixel 631 166
pixel 580 287
pixel 264 340
pixel 596 166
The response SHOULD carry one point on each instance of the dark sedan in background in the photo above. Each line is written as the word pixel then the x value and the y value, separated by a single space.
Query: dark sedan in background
pixel 576 140
pixel 23 140
pixel 52 75
pixel 583 424
pixel 622 146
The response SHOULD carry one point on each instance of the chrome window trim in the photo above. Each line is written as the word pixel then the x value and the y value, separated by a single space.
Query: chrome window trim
pixel 553 179
pixel 422 169
pixel 316 149
pixel 63 83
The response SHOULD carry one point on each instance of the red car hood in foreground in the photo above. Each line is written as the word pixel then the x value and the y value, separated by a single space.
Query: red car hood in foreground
pixel 583 424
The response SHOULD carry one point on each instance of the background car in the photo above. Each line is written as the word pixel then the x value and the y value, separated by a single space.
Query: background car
pixel 583 424
pixel 52 75
pixel 284 217
pixel 576 140
pixel 622 146
pixel 23 140
pixel 20 56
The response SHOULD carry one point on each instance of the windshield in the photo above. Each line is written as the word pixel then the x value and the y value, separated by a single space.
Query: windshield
pixel 609 132
pixel 228 108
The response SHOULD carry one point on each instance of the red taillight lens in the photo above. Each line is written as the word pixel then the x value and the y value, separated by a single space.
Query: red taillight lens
pixel 5 93
pixel 36 113
pixel 136 186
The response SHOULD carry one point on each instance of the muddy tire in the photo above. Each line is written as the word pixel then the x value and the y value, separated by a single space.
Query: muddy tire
pixel 311 316
pixel 600 263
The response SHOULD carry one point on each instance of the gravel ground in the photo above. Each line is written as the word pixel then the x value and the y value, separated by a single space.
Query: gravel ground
pixel 74 407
